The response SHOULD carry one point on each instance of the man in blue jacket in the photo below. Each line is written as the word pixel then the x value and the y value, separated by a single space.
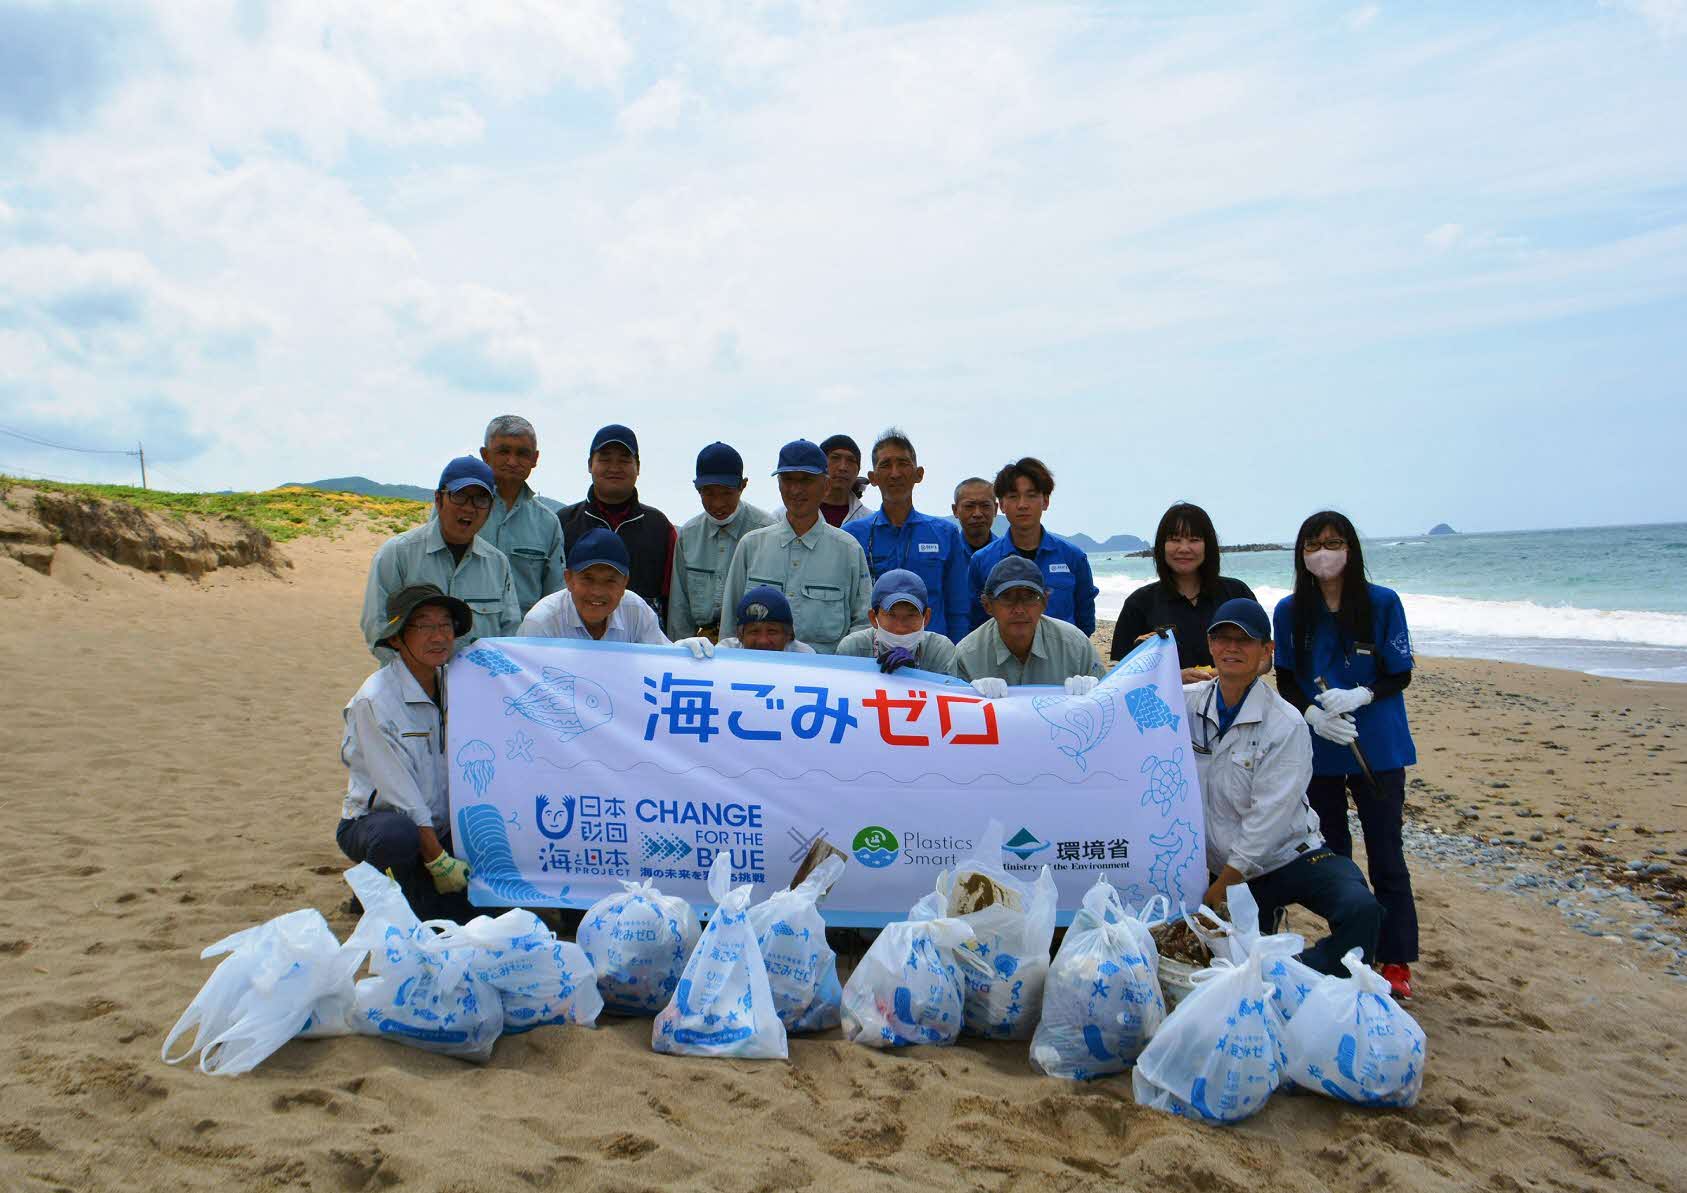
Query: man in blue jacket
pixel 899 536
pixel 1023 489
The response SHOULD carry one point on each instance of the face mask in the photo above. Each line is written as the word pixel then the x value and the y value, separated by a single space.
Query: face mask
pixel 885 640
pixel 1326 565
pixel 720 523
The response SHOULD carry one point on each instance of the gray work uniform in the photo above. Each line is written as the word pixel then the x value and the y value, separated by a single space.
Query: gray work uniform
pixel 530 537
pixel 935 652
pixel 481 579
pixel 1058 650
pixel 823 573
pixel 701 557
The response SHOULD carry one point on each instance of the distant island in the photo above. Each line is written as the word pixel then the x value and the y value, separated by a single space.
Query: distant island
pixel 1442 528
pixel 368 488
pixel 1239 549
pixel 1119 542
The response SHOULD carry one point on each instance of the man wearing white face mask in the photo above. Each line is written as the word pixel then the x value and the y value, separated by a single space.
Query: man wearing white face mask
pixel 899 612
pixel 706 543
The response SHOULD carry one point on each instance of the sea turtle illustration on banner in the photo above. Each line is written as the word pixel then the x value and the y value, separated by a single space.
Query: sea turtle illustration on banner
pixel 1083 722
pixel 1165 780
pixel 1148 710
pixel 564 703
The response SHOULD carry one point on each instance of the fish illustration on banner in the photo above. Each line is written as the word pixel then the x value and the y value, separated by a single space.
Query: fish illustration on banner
pixel 1148 710
pixel 1083 721
pixel 564 703
pixel 480 828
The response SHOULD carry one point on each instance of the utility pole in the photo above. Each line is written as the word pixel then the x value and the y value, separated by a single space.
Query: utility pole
pixel 140 450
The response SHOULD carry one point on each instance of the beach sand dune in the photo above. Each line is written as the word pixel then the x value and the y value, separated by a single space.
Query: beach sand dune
pixel 171 776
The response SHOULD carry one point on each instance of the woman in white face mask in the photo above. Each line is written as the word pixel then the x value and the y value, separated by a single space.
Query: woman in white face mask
pixel 898 614
pixel 1344 656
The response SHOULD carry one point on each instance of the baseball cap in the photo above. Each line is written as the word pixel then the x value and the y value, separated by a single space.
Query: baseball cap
pixel 800 455
pixel 1247 616
pixel 599 546
pixel 614 433
pixel 763 603
pixel 719 464
pixel 899 585
pixel 404 602
pixel 465 471
pixel 832 443
pixel 1014 572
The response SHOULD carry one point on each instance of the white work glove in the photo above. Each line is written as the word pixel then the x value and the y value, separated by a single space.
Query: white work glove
pixel 700 648
pixel 1336 727
pixel 991 687
pixel 1080 685
pixel 1345 700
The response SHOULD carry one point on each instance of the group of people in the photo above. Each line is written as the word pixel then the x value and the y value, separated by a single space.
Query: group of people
pixel 823 574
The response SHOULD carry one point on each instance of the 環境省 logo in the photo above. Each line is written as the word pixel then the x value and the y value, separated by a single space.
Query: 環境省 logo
pixel 876 847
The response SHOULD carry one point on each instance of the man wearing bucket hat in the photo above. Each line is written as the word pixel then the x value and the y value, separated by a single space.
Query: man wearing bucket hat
pixel 820 569
pixel 899 612
pixel 396 815
pixel 764 622
pixel 706 543
pixel 445 552
pixel 594 601
pixel 1019 643
pixel 1254 758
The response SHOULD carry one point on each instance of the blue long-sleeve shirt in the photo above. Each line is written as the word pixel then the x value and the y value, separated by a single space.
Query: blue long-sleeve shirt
pixel 1066 574
pixel 933 550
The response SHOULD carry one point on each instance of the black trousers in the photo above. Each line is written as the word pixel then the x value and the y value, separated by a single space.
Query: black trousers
pixel 391 843
pixel 1382 812
pixel 1327 885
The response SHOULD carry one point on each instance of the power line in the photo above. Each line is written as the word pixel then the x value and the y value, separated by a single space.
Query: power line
pixel 91 451
pixel 31 474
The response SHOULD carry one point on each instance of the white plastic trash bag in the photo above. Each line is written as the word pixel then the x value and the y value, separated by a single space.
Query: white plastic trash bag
pixel 540 980
pixel 422 989
pixel 1102 1001
pixel 802 969
pixel 1353 1042
pixel 638 942
pixel 1219 1055
pixel 1289 978
pixel 284 978
pixel 723 1005
pixel 1004 965
pixel 907 990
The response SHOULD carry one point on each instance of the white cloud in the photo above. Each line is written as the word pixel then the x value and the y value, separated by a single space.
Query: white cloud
pixel 1362 17
pixel 662 107
pixel 1444 236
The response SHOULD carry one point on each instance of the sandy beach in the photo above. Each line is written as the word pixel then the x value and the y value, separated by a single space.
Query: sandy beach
pixel 172 777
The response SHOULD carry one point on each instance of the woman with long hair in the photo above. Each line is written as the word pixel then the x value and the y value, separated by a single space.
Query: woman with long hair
pixel 1185 596
pixel 1344 656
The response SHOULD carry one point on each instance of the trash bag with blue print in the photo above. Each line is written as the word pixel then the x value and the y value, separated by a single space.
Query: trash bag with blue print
pixel 802 969
pixel 1219 1055
pixel 638 941
pixel 907 989
pixel 423 989
pixel 1289 977
pixel 1351 1041
pixel 1102 1001
pixel 284 978
pixel 723 1005
pixel 540 980
pixel 1004 965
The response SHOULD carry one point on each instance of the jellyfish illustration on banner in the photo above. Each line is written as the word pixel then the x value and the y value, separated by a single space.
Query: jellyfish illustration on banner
pixel 475 759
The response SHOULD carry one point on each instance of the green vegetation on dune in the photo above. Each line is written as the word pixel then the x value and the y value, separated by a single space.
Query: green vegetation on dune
pixel 282 514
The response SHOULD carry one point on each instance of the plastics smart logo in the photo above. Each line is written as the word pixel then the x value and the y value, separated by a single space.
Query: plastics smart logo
pixel 876 847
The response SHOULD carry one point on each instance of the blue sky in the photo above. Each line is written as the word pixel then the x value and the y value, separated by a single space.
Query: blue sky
pixel 1420 262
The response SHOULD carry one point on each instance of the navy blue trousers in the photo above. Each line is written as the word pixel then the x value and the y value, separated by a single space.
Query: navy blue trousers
pixel 1327 885
pixel 1382 813
pixel 391 843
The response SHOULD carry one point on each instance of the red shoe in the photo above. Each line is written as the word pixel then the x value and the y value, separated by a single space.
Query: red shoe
pixel 1399 978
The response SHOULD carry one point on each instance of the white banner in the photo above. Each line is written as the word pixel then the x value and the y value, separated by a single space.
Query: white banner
pixel 577 764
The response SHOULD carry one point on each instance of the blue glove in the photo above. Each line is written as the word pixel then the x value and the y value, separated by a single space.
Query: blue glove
pixel 896 658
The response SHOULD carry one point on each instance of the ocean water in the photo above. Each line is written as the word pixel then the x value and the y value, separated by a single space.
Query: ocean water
pixel 1607 601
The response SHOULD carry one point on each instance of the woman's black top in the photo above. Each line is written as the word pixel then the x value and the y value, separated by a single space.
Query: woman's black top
pixel 1159 604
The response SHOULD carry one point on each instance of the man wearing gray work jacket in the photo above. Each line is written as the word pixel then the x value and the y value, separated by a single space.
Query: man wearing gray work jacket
pixel 446 552
pixel 707 543
pixel 526 532
pixel 1019 644
pixel 820 569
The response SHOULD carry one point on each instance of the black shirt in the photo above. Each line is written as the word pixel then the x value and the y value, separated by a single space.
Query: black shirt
pixel 1156 604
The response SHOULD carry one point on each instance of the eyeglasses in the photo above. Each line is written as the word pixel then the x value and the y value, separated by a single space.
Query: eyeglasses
pixel 1018 598
pixel 1230 639
pixel 472 495
pixel 1329 544
pixel 430 628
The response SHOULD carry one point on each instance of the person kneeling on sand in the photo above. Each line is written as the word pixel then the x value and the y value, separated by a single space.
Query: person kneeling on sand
pixel 1019 643
pixel 899 612
pixel 397 815
pixel 1254 758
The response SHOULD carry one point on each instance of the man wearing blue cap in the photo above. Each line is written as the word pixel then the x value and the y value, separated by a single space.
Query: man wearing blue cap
pixel 612 504
pixel 1254 758
pixel 518 525
pixel 818 567
pixel 899 536
pixel 707 542
pixel 764 622
pixel 444 552
pixel 1020 644
pixel 594 601
pixel 900 634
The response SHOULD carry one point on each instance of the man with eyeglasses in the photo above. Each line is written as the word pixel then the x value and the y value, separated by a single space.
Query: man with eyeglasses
pixel 1254 758
pixel 446 553
pixel 1020 644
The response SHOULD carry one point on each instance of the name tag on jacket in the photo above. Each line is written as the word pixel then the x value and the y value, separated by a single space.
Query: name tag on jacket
pixel 1058 567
